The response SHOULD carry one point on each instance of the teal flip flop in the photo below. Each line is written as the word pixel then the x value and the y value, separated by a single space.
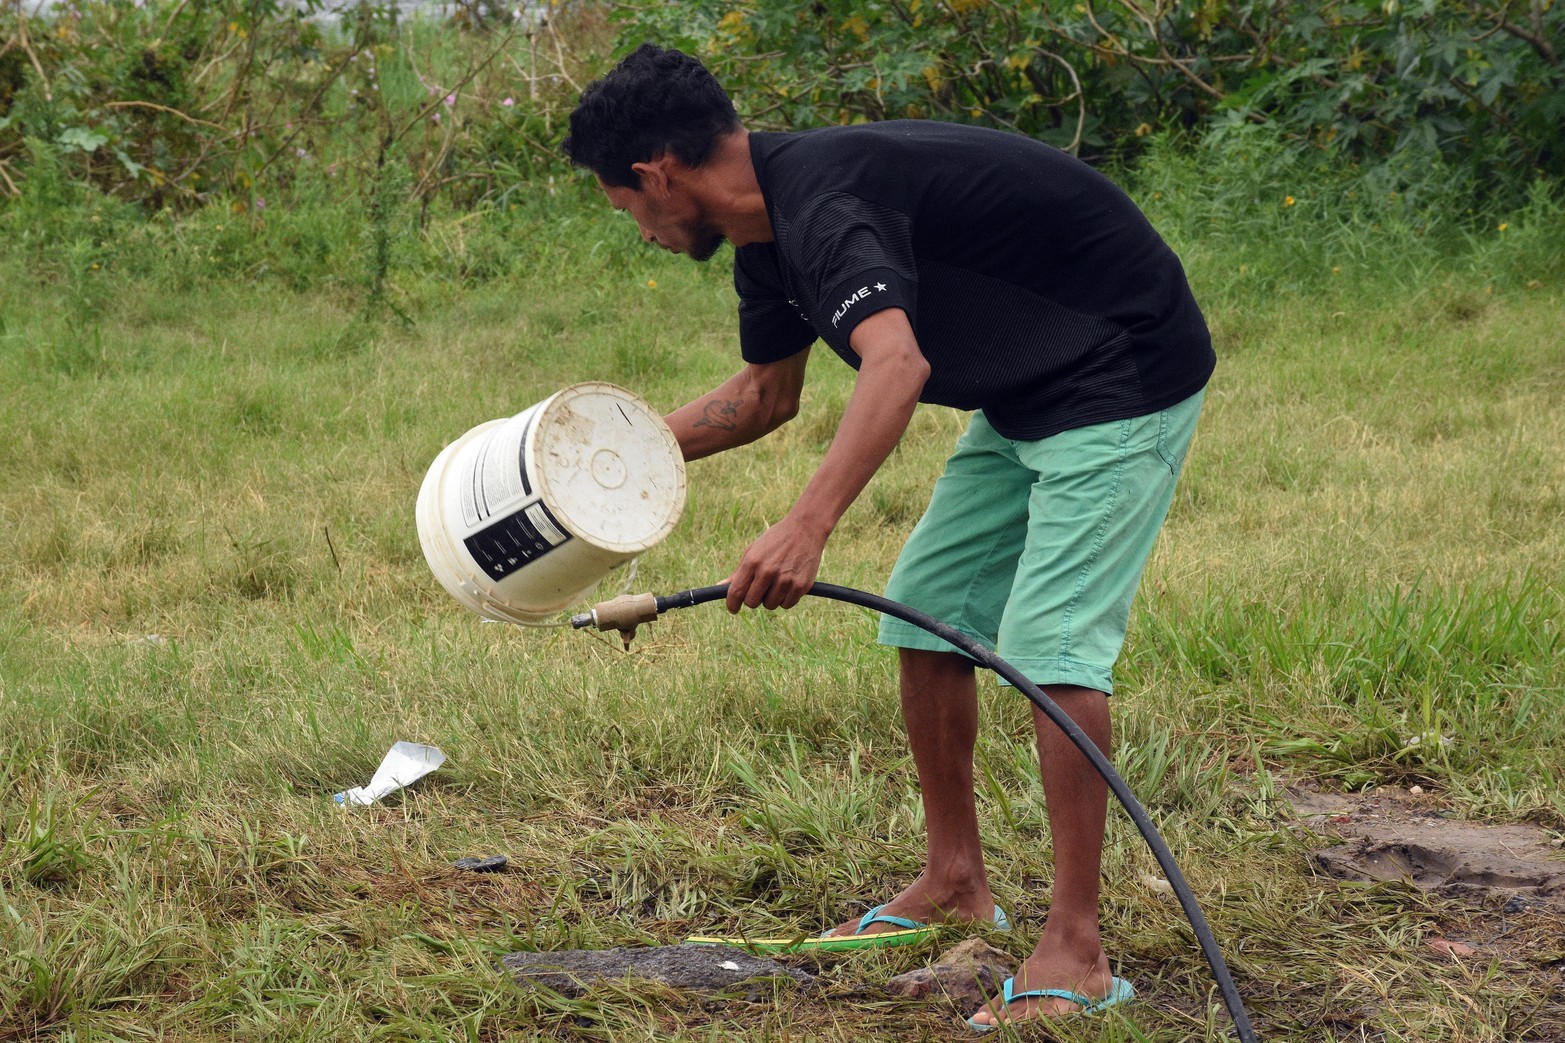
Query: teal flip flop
pixel 1120 991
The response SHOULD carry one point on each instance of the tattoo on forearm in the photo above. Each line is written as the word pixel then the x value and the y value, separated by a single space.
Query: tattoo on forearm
pixel 719 414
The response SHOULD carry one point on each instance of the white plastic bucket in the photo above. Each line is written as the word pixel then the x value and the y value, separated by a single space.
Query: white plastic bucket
pixel 521 518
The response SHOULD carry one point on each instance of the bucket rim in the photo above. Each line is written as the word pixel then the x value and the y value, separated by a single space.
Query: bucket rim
pixel 548 483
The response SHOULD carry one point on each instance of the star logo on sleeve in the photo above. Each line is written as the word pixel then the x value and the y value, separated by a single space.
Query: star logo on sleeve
pixel 880 286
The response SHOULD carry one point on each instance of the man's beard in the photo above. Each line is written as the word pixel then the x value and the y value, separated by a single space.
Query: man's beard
pixel 705 244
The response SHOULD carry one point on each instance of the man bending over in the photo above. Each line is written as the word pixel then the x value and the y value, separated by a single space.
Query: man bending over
pixel 974 269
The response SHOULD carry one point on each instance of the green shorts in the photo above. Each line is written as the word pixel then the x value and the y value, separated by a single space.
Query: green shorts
pixel 1036 548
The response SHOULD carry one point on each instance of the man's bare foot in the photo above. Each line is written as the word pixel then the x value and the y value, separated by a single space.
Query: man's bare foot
pixel 1053 969
pixel 926 903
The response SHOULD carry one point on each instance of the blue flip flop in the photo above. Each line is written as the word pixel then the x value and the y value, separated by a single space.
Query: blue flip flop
pixel 1120 991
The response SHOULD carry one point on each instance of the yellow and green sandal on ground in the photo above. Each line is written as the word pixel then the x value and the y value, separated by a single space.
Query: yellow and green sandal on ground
pixel 908 932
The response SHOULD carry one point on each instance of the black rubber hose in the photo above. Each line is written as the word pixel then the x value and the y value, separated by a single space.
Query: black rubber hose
pixel 987 657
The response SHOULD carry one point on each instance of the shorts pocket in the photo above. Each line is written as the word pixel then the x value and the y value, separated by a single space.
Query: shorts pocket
pixel 1176 426
pixel 1172 456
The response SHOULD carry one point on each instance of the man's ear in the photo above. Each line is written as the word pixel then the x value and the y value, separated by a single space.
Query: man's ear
pixel 654 173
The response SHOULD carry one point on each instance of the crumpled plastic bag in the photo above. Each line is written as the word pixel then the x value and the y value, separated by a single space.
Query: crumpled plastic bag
pixel 404 764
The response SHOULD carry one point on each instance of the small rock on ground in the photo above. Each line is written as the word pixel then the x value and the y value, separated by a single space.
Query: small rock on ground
pixel 965 976
pixel 696 968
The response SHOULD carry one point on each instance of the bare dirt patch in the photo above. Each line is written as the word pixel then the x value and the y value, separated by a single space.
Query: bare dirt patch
pixel 1505 883
pixel 1391 835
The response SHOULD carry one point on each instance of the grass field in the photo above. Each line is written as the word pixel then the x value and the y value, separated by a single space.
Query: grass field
pixel 214 614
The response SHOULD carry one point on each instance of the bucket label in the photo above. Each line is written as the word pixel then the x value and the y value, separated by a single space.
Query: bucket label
pixel 499 472
pixel 514 541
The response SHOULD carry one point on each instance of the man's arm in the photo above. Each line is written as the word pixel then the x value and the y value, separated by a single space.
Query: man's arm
pixel 753 402
pixel 780 567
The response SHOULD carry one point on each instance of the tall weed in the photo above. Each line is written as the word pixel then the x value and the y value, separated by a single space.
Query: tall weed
pixel 1251 216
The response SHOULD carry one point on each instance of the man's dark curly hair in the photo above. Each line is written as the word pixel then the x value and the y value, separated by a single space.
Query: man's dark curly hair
pixel 656 100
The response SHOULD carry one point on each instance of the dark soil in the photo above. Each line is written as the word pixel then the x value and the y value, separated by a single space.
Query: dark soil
pixel 1396 835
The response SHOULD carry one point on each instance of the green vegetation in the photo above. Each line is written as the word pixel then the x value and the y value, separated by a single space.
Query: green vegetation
pixel 214 613
pixel 1478 86
pixel 191 103
pixel 240 104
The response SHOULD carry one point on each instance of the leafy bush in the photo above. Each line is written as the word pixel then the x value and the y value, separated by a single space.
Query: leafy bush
pixel 183 104
pixel 1478 84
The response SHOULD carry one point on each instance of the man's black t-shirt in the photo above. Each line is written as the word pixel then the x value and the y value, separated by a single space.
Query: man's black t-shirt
pixel 1037 290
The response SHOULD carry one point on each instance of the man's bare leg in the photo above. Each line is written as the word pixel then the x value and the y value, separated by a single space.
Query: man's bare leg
pixel 940 708
pixel 1070 953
